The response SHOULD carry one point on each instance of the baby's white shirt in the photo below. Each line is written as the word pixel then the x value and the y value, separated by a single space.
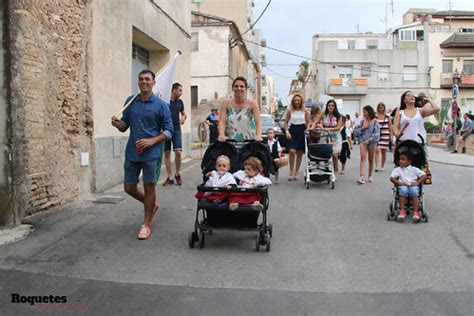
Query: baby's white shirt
pixel 258 180
pixel 407 174
pixel 219 181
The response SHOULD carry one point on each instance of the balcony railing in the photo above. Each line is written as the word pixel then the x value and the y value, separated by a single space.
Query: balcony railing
pixel 348 85
pixel 462 80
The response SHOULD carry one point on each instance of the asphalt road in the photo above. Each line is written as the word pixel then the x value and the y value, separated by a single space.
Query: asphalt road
pixel 333 252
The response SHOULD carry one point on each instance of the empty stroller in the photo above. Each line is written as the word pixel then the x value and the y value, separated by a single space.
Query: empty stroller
pixel 211 216
pixel 417 152
pixel 319 165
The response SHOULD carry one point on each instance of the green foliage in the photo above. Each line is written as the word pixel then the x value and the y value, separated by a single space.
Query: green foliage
pixel 432 128
pixel 442 115
pixel 303 71
pixel 279 109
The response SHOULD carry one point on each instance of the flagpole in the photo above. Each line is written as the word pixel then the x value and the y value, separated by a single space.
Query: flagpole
pixel 156 75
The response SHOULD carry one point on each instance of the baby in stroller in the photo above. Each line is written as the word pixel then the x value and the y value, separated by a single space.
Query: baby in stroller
pixel 250 177
pixel 408 180
pixel 219 178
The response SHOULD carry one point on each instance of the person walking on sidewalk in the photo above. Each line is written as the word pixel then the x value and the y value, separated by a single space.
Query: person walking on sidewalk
pixel 296 121
pixel 149 119
pixel 369 138
pixel 385 124
pixel 179 117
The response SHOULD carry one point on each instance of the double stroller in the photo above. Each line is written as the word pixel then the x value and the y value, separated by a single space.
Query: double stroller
pixel 416 151
pixel 211 216
pixel 319 165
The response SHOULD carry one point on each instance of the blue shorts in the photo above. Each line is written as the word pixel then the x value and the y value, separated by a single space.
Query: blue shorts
pixel 176 140
pixel 373 144
pixel 408 191
pixel 132 171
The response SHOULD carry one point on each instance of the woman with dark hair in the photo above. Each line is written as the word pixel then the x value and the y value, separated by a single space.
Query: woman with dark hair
pixel 409 120
pixel 296 121
pixel 332 123
pixel 239 117
pixel 385 127
pixel 369 137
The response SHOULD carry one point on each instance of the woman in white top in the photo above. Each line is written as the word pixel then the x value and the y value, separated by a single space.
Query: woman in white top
pixel 296 121
pixel 409 120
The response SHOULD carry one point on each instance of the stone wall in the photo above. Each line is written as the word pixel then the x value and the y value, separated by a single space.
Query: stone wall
pixel 50 102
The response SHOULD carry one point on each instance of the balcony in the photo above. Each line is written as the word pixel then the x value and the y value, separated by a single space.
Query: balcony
pixel 346 86
pixel 448 79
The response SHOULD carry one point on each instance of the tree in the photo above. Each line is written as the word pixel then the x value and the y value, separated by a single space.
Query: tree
pixel 303 71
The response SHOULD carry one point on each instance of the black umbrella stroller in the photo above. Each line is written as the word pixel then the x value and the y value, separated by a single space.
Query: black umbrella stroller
pixel 319 165
pixel 211 216
pixel 417 151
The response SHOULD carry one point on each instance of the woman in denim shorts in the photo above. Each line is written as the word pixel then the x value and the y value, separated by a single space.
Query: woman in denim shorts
pixel 369 138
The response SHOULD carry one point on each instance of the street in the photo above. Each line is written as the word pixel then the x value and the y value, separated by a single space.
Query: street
pixel 333 252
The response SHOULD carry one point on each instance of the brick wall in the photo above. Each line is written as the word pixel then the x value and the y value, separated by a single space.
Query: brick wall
pixel 51 117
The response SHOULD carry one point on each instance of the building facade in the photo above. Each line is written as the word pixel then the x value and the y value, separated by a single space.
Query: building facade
pixel 240 12
pixel 268 95
pixel 363 69
pixel 360 69
pixel 68 75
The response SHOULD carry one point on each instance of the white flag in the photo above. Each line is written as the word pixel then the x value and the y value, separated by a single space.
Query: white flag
pixel 164 80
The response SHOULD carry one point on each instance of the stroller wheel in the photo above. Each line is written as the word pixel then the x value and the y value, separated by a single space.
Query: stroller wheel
pixel 332 185
pixel 424 217
pixel 270 230
pixel 307 185
pixel 210 231
pixel 257 243
pixel 268 243
pixel 191 240
pixel 391 207
pixel 201 239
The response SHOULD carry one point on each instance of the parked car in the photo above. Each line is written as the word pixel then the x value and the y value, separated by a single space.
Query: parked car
pixel 269 122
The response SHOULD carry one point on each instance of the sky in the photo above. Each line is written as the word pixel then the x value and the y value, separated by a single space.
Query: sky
pixel 289 25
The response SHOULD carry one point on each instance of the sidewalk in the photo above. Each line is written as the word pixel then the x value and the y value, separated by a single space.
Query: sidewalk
pixel 442 156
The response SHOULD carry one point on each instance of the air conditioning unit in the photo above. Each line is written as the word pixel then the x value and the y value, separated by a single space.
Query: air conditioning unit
pixel 249 19
pixel 263 42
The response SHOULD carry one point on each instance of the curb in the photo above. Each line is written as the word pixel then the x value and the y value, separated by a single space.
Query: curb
pixel 450 163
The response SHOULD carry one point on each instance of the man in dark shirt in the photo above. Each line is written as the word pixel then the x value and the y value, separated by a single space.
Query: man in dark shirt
pixel 179 117
pixel 149 120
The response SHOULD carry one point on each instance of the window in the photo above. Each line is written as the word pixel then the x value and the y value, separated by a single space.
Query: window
pixel 447 65
pixel 140 61
pixel 384 73
pixel 194 42
pixel 194 97
pixel 407 35
pixel 351 44
pixel 345 71
pixel 409 73
pixel 468 67
pixel 365 71
pixel 446 103
pixel 372 44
